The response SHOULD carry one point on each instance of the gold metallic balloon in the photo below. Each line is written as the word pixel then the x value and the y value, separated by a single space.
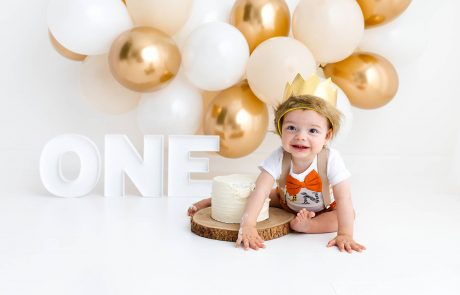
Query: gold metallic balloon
pixel 207 97
pixel 239 118
pixel 378 12
pixel 260 20
pixel 64 51
pixel 144 59
pixel 369 80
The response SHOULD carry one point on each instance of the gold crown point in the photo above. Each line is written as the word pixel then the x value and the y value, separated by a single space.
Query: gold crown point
pixel 327 91
pixel 287 91
pixel 310 85
pixel 313 86
pixel 297 84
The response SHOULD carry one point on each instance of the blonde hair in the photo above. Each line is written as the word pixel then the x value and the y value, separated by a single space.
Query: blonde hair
pixel 308 102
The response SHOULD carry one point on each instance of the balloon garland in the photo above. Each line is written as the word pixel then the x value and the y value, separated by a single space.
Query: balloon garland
pixel 162 56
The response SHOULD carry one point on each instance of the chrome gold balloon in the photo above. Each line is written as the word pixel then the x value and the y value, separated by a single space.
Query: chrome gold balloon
pixel 378 12
pixel 369 80
pixel 207 97
pixel 144 59
pixel 64 51
pixel 260 20
pixel 239 118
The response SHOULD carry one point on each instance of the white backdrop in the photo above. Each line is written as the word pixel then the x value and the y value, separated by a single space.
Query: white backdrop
pixel 411 143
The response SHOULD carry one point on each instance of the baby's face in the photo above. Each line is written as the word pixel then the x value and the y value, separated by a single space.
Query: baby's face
pixel 304 133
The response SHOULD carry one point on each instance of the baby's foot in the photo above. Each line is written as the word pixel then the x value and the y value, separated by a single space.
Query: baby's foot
pixel 301 222
pixel 198 206
pixel 192 210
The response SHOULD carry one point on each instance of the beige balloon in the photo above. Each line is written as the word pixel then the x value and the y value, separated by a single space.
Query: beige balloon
pixel 64 51
pixel 369 80
pixel 239 118
pixel 101 91
pixel 144 59
pixel 377 12
pixel 331 29
pixel 165 15
pixel 274 63
pixel 260 20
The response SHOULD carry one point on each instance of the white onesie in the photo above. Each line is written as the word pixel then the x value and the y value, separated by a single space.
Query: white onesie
pixel 303 190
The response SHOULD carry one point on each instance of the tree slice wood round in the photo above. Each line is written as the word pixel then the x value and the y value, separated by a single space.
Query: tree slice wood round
pixel 275 226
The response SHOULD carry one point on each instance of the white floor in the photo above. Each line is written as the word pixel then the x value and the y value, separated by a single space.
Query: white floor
pixel 135 245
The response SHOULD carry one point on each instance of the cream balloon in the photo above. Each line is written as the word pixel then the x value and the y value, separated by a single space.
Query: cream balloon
pixel 203 11
pixel 331 29
pixel 274 63
pixel 101 90
pixel 86 26
pixel 175 109
pixel 165 15
pixel 215 56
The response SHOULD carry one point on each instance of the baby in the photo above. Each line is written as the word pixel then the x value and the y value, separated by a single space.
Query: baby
pixel 305 169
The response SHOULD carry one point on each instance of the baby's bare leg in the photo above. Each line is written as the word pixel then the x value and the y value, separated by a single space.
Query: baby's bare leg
pixel 305 222
pixel 324 223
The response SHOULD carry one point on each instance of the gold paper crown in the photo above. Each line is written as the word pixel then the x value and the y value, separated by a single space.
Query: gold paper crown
pixel 313 86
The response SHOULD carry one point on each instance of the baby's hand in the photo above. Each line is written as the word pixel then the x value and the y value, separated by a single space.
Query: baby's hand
pixel 345 242
pixel 250 238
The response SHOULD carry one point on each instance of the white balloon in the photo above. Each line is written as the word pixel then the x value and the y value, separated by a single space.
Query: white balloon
pixel 214 56
pixel 204 11
pixel 175 109
pixel 87 26
pixel 331 29
pixel 101 90
pixel 275 62
pixel 165 15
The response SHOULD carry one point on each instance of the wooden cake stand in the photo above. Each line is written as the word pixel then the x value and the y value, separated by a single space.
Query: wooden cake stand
pixel 275 226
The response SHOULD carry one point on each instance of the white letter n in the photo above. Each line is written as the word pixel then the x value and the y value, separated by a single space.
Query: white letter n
pixel 122 158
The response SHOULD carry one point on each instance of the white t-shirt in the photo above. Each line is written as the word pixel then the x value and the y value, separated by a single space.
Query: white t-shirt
pixel 307 198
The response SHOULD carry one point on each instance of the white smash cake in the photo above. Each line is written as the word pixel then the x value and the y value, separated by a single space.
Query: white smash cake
pixel 229 195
